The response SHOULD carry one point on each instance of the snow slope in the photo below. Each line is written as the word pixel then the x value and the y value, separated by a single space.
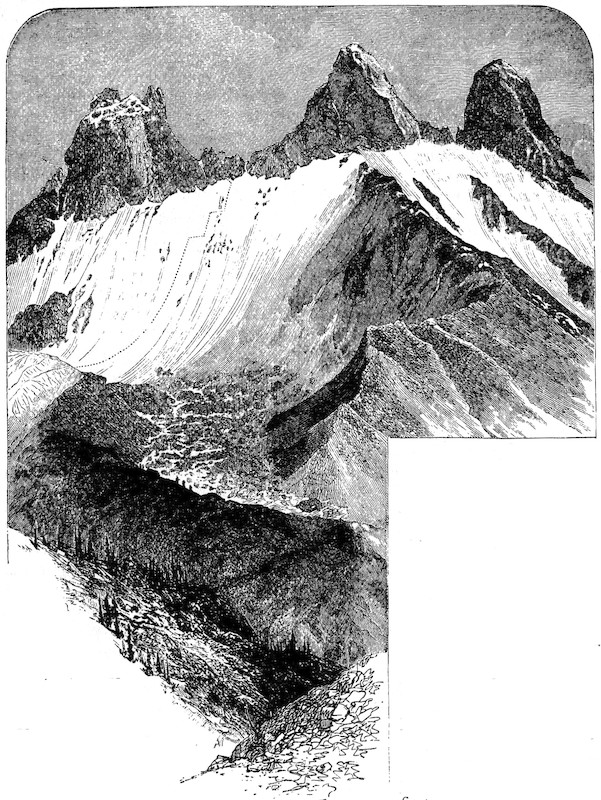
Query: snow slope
pixel 98 726
pixel 168 281
pixel 208 274
pixel 446 170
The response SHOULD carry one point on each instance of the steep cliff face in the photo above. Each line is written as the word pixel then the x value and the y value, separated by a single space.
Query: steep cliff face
pixel 357 108
pixel 503 114
pixel 31 228
pixel 124 151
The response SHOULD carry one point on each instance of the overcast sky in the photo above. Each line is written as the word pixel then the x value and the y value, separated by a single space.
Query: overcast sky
pixel 238 79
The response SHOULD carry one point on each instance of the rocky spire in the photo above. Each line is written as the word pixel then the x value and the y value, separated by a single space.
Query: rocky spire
pixel 503 114
pixel 357 108
pixel 124 152
pixel 118 156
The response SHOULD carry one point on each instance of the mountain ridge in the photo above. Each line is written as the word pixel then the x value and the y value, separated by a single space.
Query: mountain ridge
pixel 125 152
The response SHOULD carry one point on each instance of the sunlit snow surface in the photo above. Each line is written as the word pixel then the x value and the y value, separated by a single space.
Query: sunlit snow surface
pixel 84 722
pixel 211 271
pixel 447 171
pixel 167 282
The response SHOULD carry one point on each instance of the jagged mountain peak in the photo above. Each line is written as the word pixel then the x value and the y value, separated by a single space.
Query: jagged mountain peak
pixel 355 62
pixel 106 97
pixel 125 152
pixel 503 114
pixel 108 108
pixel 354 56
pixel 110 100
pixel 155 100
pixel 356 59
pixel 358 108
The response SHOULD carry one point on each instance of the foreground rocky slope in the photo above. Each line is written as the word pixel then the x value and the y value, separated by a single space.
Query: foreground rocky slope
pixel 76 482
pixel 334 735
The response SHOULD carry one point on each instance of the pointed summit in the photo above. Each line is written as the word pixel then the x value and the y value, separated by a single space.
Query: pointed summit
pixel 503 114
pixel 384 119
pixel 155 101
pixel 357 108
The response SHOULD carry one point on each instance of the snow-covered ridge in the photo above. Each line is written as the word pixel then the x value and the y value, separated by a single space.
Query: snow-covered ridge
pixel 446 170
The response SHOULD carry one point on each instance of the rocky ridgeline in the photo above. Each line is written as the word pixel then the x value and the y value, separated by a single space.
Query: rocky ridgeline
pixel 125 152
pixel 579 278
pixel 321 738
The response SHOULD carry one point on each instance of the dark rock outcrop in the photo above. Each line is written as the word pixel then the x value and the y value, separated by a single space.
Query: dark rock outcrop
pixel 580 279
pixel 503 114
pixel 431 133
pixel 434 201
pixel 41 325
pixel 357 108
pixel 32 226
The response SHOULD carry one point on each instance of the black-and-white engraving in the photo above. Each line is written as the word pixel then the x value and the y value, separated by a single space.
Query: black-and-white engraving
pixel 209 350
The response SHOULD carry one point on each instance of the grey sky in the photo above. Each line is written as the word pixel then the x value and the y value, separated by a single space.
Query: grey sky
pixel 238 78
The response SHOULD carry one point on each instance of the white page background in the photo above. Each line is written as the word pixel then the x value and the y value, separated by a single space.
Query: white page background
pixel 495 630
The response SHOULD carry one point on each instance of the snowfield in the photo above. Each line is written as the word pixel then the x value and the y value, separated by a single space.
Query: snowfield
pixel 169 281
pixel 208 274
pixel 446 170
